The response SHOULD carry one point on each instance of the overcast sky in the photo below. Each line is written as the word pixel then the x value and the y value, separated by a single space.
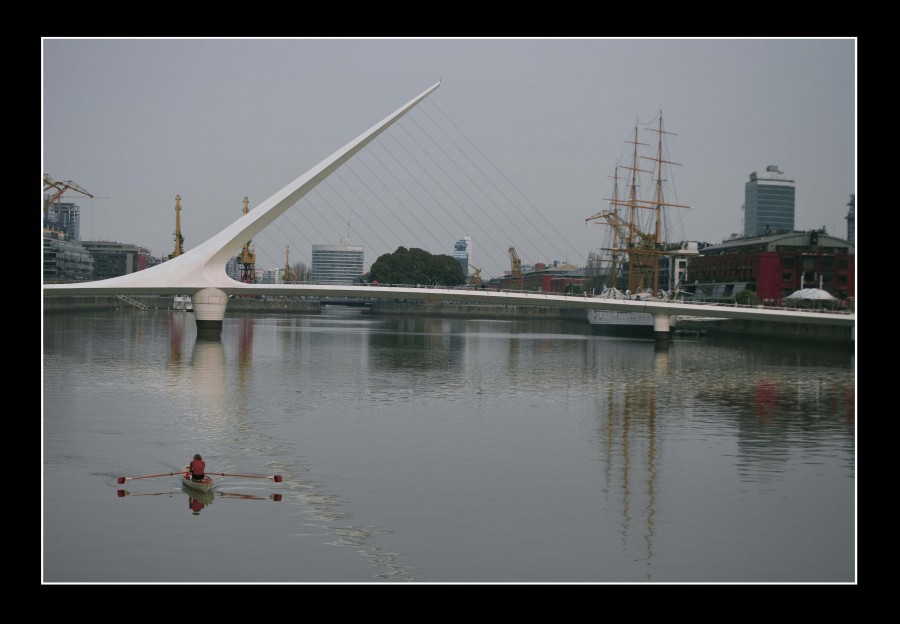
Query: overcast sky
pixel 541 123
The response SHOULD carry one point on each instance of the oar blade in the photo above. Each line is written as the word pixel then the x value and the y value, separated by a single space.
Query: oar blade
pixel 120 480
pixel 278 479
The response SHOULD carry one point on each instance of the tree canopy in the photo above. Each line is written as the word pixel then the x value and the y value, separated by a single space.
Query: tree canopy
pixel 417 266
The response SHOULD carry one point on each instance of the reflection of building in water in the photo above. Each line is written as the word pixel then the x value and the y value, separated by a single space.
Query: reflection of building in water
pixel 434 345
pixel 626 413
pixel 770 412
pixel 245 351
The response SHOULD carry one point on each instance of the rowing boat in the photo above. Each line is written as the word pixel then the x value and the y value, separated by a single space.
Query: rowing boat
pixel 203 486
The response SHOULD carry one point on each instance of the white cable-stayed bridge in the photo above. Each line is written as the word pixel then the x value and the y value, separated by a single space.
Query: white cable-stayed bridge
pixel 411 186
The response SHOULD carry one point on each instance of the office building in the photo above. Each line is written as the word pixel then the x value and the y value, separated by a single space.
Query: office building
pixel 65 216
pixel 462 251
pixel 768 203
pixel 114 259
pixel 65 261
pixel 336 264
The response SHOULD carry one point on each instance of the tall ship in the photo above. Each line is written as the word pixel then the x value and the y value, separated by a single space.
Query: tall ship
pixel 637 261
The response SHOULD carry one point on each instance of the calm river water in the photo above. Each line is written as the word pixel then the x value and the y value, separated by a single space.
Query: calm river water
pixel 441 451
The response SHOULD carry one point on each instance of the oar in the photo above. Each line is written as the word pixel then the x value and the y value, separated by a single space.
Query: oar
pixel 122 493
pixel 122 480
pixel 275 478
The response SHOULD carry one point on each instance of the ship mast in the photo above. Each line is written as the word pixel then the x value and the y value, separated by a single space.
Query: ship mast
pixel 642 247
pixel 659 244
pixel 614 257
pixel 635 270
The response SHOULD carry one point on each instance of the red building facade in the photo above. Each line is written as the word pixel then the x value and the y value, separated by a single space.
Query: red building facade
pixel 773 266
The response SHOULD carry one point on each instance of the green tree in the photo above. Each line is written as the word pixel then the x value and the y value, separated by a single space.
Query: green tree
pixel 747 297
pixel 417 266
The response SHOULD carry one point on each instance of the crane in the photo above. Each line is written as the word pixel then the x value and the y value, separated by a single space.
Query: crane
pixel 287 265
pixel 179 239
pixel 59 188
pixel 641 248
pixel 475 278
pixel 247 259
pixel 516 265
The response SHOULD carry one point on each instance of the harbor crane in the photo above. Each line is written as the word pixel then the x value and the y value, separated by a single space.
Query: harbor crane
pixel 59 188
pixel 288 277
pixel 516 266
pixel 179 239
pixel 247 258
pixel 475 277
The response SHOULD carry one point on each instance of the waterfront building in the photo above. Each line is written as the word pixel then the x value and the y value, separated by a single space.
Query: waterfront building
pixel 560 277
pixel 768 203
pixel 462 251
pixel 232 269
pixel 113 259
pixel 336 264
pixel 270 276
pixel 65 216
pixel 851 220
pixel 773 267
pixel 65 261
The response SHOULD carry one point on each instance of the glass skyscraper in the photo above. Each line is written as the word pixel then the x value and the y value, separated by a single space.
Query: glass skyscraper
pixel 768 203
pixel 462 250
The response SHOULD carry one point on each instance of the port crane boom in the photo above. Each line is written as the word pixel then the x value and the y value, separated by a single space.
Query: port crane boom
pixel 59 188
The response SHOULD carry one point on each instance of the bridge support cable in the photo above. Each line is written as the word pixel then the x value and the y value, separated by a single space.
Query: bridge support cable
pixel 200 271
pixel 547 221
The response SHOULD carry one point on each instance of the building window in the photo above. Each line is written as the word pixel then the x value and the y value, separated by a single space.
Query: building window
pixel 788 262
pixel 787 277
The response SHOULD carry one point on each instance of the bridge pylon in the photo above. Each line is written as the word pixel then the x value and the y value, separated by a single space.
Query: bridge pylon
pixel 200 272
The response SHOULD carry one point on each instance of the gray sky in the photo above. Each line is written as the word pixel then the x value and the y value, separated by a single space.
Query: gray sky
pixel 536 125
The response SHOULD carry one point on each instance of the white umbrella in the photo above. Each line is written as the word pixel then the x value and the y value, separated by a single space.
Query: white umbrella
pixel 812 294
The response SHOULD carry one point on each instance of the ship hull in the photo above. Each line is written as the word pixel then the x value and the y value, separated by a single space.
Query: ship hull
pixel 632 324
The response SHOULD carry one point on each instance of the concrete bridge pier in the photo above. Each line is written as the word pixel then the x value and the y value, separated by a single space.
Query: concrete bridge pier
pixel 661 327
pixel 209 310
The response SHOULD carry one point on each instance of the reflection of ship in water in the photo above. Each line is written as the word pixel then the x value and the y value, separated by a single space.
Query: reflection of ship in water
pixel 627 431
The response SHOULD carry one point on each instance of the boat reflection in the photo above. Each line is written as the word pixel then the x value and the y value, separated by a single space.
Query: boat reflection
pixel 198 500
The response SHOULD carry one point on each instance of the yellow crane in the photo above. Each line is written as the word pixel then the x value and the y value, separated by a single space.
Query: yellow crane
pixel 247 259
pixel 516 265
pixel 287 264
pixel 179 239
pixel 475 277
pixel 59 188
